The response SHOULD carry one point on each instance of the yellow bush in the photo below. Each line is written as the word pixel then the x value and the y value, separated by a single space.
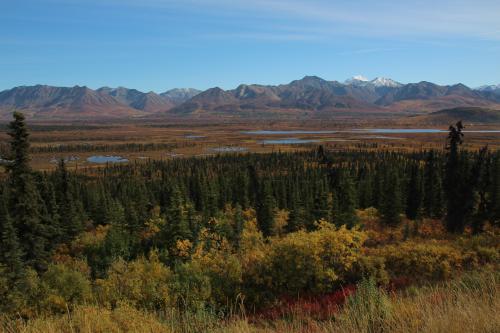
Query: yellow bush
pixel 64 287
pixel 223 268
pixel 143 282
pixel 316 262
pixel 420 260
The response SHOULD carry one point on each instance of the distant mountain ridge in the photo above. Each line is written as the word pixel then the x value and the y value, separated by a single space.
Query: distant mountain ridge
pixel 316 94
pixel 310 95
pixel 82 102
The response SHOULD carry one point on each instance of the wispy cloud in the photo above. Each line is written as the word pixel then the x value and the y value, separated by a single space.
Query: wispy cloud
pixel 440 19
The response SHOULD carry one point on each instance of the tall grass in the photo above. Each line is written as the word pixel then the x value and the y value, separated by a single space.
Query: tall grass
pixel 469 304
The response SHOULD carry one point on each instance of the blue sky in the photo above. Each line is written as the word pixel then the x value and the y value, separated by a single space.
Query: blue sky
pixel 161 44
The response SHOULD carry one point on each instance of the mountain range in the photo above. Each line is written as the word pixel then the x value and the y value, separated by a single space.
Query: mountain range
pixel 310 95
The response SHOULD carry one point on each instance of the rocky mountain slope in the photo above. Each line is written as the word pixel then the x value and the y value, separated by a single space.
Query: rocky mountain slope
pixel 311 95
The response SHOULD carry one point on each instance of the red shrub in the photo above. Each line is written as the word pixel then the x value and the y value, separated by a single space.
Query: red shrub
pixel 313 306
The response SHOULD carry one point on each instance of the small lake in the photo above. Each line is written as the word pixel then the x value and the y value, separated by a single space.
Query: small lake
pixel 228 149
pixel 397 130
pixel 194 137
pixel 412 130
pixel 106 159
pixel 288 141
pixel 286 132
pixel 380 137
pixel 365 130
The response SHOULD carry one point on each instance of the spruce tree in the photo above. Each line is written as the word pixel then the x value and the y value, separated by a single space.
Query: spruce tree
pixel 239 224
pixel 177 226
pixel 24 197
pixel 265 209
pixel 10 250
pixel 454 181
pixel 344 201
pixel 321 208
pixel 433 189
pixel 390 208
pixel 414 193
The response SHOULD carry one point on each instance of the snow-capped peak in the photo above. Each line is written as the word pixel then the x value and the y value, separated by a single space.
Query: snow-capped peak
pixel 360 80
pixel 357 79
pixel 384 82
pixel 489 87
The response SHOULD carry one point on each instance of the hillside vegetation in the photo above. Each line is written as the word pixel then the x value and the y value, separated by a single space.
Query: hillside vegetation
pixel 306 241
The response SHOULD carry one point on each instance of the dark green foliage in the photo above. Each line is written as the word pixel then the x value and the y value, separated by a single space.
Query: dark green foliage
pixel 414 193
pixel 391 207
pixel 25 198
pixel 10 250
pixel 344 204
pixel 177 225
pixel 70 222
pixel 433 190
pixel 266 209
pixel 456 181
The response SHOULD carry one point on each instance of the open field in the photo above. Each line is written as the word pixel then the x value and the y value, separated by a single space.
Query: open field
pixel 140 141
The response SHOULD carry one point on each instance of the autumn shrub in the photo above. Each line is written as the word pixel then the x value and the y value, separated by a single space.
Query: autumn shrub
pixel 421 260
pixel 480 249
pixel 370 266
pixel 190 287
pixel 309 262
pixel 64 287
pixel 143 283
pixel 320 307
pixel 214 256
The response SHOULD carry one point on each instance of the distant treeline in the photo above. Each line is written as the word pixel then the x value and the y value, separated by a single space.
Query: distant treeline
pixel 125 147
pixel 61 127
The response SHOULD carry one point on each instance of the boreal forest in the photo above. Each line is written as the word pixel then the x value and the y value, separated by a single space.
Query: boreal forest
pixel 233 242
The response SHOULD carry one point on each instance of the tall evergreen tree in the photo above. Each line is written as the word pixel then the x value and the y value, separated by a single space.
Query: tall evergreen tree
pixel 391 206
pixel 454 181
pixel 433 189
pixel 266 206
pixel 177 226
pixel 24 205
pixel 10 249
pixel 322 208
pixel 344 201
pixel 414 193
pixel 239 224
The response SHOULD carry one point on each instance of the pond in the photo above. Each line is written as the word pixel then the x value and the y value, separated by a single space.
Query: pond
pixel 229 149
pixel 263 132
pixel 106 159
pixel 397 130
pixel 380 137
pixel 194 137
pixel 367 130
pixel 288 141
